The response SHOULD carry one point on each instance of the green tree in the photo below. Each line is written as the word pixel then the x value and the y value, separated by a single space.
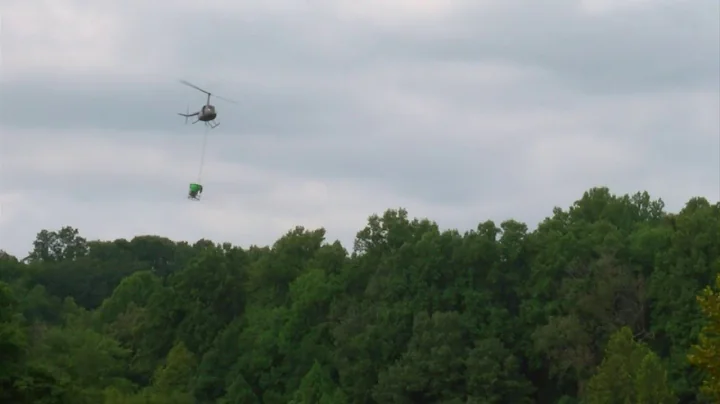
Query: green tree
pixel 177 372
pixel 239 392
pixel 317 388
pixel 597 304
pixel 432 368
pixel 681 271
pixel 629 373
pixel 706 354
pixel 494 375
pixel 77 363
pixel 52 246
pixel 13 345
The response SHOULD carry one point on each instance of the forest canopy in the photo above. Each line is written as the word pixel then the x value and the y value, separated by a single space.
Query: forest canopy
pixel 613 300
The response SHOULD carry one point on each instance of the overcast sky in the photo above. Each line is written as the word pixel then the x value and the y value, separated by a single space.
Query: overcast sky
pixel 460 111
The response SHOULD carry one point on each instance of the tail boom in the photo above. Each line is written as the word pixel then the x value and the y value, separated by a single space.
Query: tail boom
pixel 188 115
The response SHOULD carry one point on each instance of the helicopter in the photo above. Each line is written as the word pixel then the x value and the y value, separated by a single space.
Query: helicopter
pixel 207 113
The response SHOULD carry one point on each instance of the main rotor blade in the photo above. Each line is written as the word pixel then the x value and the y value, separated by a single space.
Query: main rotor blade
pixel 194 86
pixel 225 99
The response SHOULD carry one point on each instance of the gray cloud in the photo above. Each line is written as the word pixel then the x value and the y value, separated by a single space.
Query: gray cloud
pixel 664 46
pixel 458 113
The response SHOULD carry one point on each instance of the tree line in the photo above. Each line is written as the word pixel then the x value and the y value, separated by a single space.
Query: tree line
pixel 613 300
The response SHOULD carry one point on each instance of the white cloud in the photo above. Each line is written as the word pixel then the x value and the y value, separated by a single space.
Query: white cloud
pixel 231 209
pixel 390 13
pixel 94 38
pixel 60 36
pixel 602 7
pixel 13 200
pixel 582 157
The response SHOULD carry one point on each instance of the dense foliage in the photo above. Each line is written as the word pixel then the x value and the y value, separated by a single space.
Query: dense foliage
pixel 604 302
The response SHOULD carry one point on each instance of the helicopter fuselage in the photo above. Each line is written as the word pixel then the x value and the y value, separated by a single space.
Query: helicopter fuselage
pixel 207 113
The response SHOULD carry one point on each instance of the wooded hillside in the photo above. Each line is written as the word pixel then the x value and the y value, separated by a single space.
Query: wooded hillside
pixel 598 305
